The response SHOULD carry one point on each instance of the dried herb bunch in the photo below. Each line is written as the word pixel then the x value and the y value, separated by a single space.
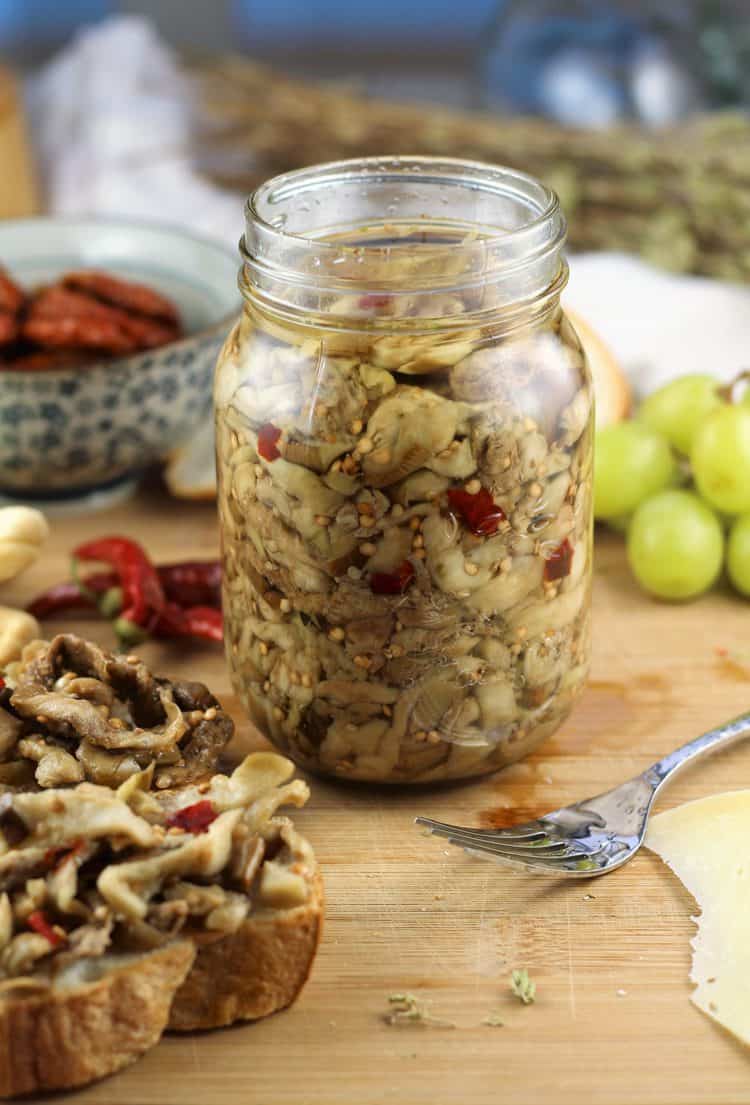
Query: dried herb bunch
pixel 681 198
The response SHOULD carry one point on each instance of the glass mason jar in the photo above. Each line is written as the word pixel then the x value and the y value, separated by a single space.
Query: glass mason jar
pixel 404 443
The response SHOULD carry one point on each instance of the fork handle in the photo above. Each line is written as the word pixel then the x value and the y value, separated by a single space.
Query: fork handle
pixel 720 737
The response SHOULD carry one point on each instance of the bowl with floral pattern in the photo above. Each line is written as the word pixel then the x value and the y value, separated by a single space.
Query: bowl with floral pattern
pixel 83 434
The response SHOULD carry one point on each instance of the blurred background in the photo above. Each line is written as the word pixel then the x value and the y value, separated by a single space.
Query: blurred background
pixel 636 112
pixel 582 62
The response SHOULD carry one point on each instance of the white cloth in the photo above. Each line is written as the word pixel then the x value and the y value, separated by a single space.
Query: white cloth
pixel 111 117
pixel 111 121
pixel 660 324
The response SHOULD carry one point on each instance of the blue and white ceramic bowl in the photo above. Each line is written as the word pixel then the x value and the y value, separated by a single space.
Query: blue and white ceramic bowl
pixel 85 436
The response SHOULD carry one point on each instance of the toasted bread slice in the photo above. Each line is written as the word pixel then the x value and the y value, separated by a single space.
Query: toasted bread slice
pixel 611 386
pixel 95 1018
pixel 258 970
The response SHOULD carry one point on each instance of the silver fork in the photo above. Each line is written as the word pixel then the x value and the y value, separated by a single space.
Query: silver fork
pixel 593 836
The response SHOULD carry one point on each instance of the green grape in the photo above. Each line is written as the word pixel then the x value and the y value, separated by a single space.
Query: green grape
pixel 738 555
pixel 720 459
pixel 631 463
pixel 675 545
pixel 677 409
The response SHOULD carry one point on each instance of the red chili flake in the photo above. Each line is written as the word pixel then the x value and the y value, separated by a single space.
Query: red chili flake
pixel 195 818
pixel 374 300
pixel 720 651
pixel 39 922
pixel 558 563
pixel 268 435
pixel 392 583
pixel 480 512
pixel 55 857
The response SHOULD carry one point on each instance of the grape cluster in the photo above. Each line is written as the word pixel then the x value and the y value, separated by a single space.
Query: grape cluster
pixel 676 480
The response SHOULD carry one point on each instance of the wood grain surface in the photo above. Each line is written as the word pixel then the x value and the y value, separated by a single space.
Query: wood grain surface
pixel 612 1024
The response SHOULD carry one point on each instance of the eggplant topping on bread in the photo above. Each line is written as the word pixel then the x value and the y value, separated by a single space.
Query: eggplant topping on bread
pixel 125 912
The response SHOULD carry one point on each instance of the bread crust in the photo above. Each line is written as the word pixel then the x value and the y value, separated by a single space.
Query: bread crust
pixel 68 1037
pixel 256 971
pixel 611 386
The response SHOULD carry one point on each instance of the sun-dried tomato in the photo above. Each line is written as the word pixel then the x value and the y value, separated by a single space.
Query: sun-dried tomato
pixel 392 583
pixel 39 922
pixel 480 512
pixel 558 563
pixel 268 435
pixel 195 818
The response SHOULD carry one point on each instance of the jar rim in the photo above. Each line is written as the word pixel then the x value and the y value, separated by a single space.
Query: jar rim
pixel 481 174
pixel 503 227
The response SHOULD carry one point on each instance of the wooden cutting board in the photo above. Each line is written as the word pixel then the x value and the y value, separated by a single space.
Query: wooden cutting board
pixel 612 1023
pixel 18 192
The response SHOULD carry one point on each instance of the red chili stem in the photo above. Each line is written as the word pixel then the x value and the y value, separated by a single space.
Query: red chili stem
pixel 143 594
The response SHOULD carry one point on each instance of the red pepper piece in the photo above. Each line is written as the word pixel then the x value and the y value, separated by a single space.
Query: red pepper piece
pixel 374 300
pixel 39 922
pixel 480 512
pixel 205 622
pixel 142 593
pixel 54 858
pixel 195 818
pixel 558 562
pixel 268 435
pixel 392 583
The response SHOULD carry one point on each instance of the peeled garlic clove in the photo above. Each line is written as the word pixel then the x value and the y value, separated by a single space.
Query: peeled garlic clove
pixel 23 531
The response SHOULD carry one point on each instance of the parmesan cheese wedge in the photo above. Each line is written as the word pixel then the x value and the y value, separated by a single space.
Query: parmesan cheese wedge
pixel 707 845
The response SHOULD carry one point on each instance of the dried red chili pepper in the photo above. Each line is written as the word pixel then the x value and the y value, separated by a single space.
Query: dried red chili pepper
pixel 195 818
pixel 61 597
pixel 479 511
pixel 192 583
pixel 392 583
pixel 205 622
pixel 39 922
pixel 557 564
pixel 268 435
pixel 143 596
